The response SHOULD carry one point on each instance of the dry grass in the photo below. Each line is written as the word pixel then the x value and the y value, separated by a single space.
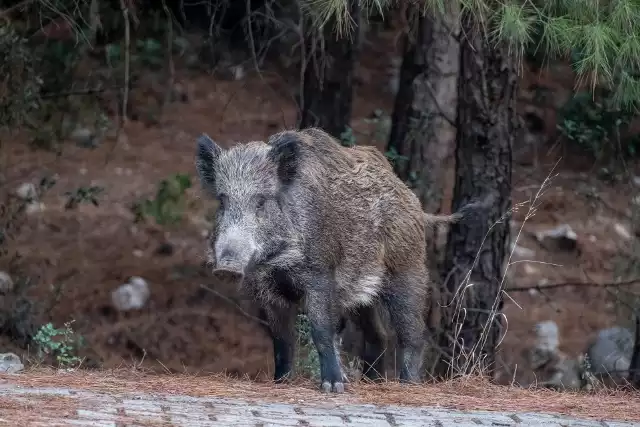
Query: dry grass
pixel 467 394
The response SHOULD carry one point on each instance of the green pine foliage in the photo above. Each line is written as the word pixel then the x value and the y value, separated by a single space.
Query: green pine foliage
pixel 601 38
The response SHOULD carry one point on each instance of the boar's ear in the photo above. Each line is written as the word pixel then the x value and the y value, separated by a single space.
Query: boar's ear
pixel 285 152
pixel 206 155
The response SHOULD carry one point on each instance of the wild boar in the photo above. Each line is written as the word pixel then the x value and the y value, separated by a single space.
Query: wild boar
pixel 305 220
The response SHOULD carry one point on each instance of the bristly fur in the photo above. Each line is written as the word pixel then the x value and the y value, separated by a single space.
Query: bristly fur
pixel 348 232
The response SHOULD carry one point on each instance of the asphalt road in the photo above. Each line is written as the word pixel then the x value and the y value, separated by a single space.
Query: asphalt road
pixel 68 407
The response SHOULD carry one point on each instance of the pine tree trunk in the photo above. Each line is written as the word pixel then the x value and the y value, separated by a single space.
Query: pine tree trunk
pixel 423 124
pixel 634 367
pixel 327 94
pixel 486 123
pixel 423 120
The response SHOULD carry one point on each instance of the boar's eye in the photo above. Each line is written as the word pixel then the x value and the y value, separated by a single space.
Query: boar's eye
pixel 260 202
pixel 222 200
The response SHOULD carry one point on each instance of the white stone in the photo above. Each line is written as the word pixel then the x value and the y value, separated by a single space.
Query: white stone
pixel 561 237
pixel 622 231
pixel 10 363
pixel 132 295
pixel 27 191
pixel 6 283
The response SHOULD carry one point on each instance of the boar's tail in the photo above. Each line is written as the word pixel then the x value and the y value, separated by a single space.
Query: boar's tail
pixel 435 220
pixel 431 220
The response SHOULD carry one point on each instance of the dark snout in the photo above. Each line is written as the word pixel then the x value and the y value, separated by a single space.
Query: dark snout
pixel 228 275
pixel 231 265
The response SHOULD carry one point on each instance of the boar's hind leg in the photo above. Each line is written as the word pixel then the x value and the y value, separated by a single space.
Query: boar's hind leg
pixel 373 352
pixel 281 322
pixel 325 321
pixel 405 305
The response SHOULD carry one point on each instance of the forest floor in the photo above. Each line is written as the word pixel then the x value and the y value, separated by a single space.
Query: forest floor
pixel 89 251
pixel 124 397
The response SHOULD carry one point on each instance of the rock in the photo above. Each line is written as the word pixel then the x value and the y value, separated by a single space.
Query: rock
pixel 228 71
pixel 34 207
pixel 545 344
pixel 552 367
pixel 10 363
pixel 547 335
pixel 610 353
pixel 529 269
pixel 6 283
pixel 27 192
pixel 622 231
pixel 237 71
pixel 522 252
pixel 82 136
pixel 559 238
pixel 132 295
pixel 636 180
pixel 562 373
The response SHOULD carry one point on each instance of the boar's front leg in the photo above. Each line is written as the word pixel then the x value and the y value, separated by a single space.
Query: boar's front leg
pixel 282 322
pixel 325 319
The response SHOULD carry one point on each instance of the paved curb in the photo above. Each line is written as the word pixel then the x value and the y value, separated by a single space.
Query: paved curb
pixel 112 409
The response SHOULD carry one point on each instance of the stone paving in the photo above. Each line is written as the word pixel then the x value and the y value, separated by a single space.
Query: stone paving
pixel 111 409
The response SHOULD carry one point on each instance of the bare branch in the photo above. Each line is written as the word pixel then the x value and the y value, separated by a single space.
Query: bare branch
pixel 127 44
pixel 235 305
pixel 577 284
pixel 171 71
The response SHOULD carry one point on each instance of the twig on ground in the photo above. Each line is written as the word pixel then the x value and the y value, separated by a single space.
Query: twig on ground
pixel 235 305
pixel 577 284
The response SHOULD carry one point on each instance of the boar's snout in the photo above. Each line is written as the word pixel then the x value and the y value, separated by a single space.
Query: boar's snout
pixel 226 274
pixel 233 255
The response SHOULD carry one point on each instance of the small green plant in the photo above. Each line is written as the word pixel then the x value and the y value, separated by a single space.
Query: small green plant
pixel 594 124
pixel 168 205
pixel 394 157
pixel 347 138
pixel 83 195
pixel 307 360
pixel 150 52
pixel 61 344
pixel 382 123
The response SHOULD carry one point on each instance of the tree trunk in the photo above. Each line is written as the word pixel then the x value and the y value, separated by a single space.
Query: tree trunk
pixel 327 93
pixel 634 367
pixel 487 123
pixel 423 125
pixel 424 114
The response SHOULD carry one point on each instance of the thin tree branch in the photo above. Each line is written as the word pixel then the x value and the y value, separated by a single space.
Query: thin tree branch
pixel 127 44
pixel 577 284
pixel 235 305
pixel 171 71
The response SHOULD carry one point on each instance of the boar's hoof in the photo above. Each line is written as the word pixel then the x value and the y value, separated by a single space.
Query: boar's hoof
pixel 336 387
